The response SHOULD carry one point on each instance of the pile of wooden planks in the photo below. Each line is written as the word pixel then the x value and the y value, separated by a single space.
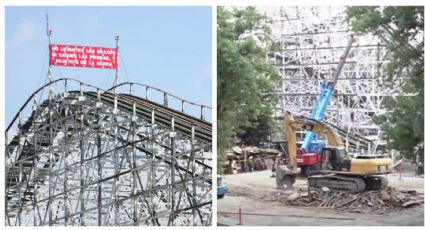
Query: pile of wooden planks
pixel 378 201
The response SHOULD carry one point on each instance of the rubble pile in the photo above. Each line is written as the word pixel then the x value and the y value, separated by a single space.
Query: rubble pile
pixel 369 201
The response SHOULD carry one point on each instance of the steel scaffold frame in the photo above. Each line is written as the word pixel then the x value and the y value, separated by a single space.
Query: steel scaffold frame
pixel 313 40
pixel 100 158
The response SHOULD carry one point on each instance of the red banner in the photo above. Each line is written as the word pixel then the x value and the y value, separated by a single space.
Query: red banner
pixel 83 56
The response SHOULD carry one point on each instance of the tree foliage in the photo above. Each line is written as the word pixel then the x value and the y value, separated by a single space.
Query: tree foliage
pixel 403 29
pixel 245 82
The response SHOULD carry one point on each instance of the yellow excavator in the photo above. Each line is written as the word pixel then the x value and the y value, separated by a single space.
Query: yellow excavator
pixel 336 170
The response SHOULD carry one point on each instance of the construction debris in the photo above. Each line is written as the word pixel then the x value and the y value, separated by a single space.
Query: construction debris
pixel 377 202
pixel 249 158
pixel 369 201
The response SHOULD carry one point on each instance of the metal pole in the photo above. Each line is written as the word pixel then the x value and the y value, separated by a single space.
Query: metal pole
pixel 165 99
pixel 49 75
pixel 116 164
pixel 20 174
pixel 99 166
pixel 82 209
pixel 49 34
pixel 192 160
pixel 202 112
pixel 117 37
pixel 172 134
pixel 66 155
pixel 6 155
pixel 153 168
pixel 35 161
pixel 134 187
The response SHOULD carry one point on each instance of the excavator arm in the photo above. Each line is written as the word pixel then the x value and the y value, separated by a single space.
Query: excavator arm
pixel 359 174
pixel 292 123
pixel 286 174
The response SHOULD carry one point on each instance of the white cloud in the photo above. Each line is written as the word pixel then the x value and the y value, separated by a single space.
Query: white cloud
pixel 24 32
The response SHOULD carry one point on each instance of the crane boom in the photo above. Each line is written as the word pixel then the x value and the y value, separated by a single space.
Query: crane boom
pixel 324 98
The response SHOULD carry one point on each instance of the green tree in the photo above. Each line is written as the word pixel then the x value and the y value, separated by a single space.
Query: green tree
pixel 245 82
pixel 402 28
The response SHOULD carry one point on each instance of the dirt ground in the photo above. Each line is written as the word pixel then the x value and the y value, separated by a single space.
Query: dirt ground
pixel 254 194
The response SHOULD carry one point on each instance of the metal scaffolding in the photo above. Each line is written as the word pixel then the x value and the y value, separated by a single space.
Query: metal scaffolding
pixel 313 39
pixel 95 157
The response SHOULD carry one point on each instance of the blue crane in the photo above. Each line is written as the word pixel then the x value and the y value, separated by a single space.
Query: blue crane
pixel 323 100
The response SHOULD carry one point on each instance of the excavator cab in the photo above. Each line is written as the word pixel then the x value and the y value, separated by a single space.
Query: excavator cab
pixel 340 172
pixel 334 159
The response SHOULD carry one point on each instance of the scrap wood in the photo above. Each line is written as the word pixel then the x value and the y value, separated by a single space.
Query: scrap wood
pixel 412 203
pixel 345 203
pixel 368 201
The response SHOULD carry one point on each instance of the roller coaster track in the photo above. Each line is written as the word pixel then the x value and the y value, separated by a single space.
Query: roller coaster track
pixel 98 157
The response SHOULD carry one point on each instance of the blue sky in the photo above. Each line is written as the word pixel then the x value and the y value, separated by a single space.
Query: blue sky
pixel 165 47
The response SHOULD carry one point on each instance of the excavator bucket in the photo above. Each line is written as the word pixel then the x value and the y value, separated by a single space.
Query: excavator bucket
pixel 285 177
